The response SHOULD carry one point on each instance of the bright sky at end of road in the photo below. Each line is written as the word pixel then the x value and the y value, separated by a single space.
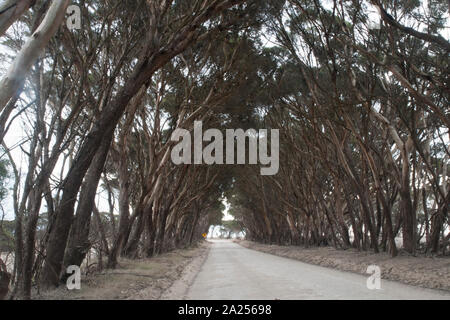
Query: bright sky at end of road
pixel 226 215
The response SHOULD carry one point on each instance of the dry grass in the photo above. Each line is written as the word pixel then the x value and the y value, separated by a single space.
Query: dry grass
pixel 133 279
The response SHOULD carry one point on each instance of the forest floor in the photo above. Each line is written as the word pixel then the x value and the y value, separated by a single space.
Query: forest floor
pixel 426 272
pixel 167 276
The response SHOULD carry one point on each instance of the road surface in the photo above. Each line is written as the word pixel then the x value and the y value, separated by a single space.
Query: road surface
pixel 232 272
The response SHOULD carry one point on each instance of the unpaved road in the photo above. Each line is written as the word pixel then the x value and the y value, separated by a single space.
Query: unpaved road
pixel 232 272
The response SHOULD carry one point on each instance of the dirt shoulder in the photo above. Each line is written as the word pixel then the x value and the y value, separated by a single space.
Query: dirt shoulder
pixel 427 272
pixel 144 279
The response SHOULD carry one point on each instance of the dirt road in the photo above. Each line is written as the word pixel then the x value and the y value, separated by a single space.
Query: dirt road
pixel 234 272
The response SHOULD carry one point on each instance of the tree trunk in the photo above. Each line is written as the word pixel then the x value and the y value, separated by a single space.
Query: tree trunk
pixel 408 214
pixel 78 243
pixel 124 212
pixel 31 50
pixel 4 280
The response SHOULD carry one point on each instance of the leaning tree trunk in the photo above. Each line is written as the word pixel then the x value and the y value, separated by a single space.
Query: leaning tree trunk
pixel 29 245
pixel 78 243
pixel 131 247
pixel 31 50
pixel 64 213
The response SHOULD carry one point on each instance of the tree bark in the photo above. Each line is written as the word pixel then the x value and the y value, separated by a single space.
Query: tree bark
pixel 78 243
pixel 31 50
